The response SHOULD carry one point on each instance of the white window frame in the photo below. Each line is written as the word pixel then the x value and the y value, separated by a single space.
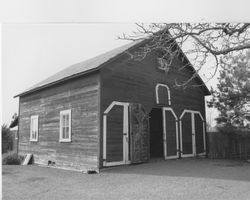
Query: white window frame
pixel 157 92
pixel 162 64
pixel 61 139
pixel 34 117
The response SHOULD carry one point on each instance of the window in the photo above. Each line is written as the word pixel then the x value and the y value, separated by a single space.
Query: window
pixel 34 128
pixel 164 60
pixel 163 64
pixel 65 126
pixel 167 92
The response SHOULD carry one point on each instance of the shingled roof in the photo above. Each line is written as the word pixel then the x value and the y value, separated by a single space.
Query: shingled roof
pixel 84 67
pixel 80 68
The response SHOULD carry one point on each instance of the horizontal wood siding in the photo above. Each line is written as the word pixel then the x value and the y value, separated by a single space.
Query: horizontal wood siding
pixel 134 81
pixel 81 95
pixel 127 80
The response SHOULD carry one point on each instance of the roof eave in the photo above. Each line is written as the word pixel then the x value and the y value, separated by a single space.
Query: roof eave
pixel 80 74
pixel 56 82
pixel 207 92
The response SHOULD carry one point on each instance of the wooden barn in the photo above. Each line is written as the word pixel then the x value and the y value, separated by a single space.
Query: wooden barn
pixel 113 110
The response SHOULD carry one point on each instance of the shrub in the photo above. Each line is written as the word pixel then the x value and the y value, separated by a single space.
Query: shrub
pixel 7 139
pixel 11 158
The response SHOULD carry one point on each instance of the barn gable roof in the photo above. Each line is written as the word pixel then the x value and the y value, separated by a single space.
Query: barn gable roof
pixel 88 66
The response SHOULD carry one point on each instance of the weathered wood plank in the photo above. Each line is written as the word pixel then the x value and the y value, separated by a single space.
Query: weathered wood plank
pixel 81 96
pixel 127 80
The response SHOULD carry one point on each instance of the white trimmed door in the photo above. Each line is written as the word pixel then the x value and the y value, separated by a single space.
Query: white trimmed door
pixel 116 134
pixel 170 133
pixel 192 134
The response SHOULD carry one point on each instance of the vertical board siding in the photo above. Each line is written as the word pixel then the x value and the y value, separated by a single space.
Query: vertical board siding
pixel 81 96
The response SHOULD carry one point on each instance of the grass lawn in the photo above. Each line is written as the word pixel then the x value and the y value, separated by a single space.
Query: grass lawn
pixel 173 179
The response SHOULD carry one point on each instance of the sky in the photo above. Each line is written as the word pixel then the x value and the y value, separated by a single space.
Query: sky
pixel 41 37
pixel 124 11
pixel 32 52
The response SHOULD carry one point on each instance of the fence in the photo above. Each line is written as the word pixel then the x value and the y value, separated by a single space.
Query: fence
pixel 229 146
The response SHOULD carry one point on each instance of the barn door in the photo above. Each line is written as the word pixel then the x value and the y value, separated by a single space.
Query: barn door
pixel 139 134
pixel 187 135
pixel 200 141
pixel 170 136
pixel 192 133
pixel 115 134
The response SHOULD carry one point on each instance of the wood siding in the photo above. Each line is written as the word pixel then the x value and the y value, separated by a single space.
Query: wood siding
pixel 127 80
pixel 81 95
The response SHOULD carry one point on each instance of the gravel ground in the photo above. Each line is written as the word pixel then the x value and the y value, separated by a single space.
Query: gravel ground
pixel 174 179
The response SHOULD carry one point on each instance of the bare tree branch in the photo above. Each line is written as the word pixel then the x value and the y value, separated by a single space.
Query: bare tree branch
pixel 200 42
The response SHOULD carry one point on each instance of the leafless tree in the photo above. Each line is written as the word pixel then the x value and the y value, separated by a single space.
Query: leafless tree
pixel 200 42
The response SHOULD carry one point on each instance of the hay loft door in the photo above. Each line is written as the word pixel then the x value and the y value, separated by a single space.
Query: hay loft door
pixel 139 133
pixel 116 134
pixel 192 134
pixel 170 133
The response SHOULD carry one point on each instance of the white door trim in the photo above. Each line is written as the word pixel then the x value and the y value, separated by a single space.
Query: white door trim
pixel 165 133
pixel 192 112
pixel 157 92
pixel 125 136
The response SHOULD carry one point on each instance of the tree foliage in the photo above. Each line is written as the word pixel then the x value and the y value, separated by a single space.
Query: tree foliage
pixel 7 140
pixel 200 42
pixel 232 96
pixel 14 121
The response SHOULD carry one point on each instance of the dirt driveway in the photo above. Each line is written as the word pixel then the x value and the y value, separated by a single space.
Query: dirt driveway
pixel 169 180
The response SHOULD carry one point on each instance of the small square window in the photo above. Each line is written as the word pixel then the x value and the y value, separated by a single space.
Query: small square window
pixel 34 128
pixel 163 64
pixel 65 126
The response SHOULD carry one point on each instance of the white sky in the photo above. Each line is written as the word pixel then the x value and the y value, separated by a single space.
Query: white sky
pixel 31 53
pixel 34 47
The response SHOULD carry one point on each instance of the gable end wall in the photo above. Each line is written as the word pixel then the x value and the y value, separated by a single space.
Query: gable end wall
pixel 127 80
